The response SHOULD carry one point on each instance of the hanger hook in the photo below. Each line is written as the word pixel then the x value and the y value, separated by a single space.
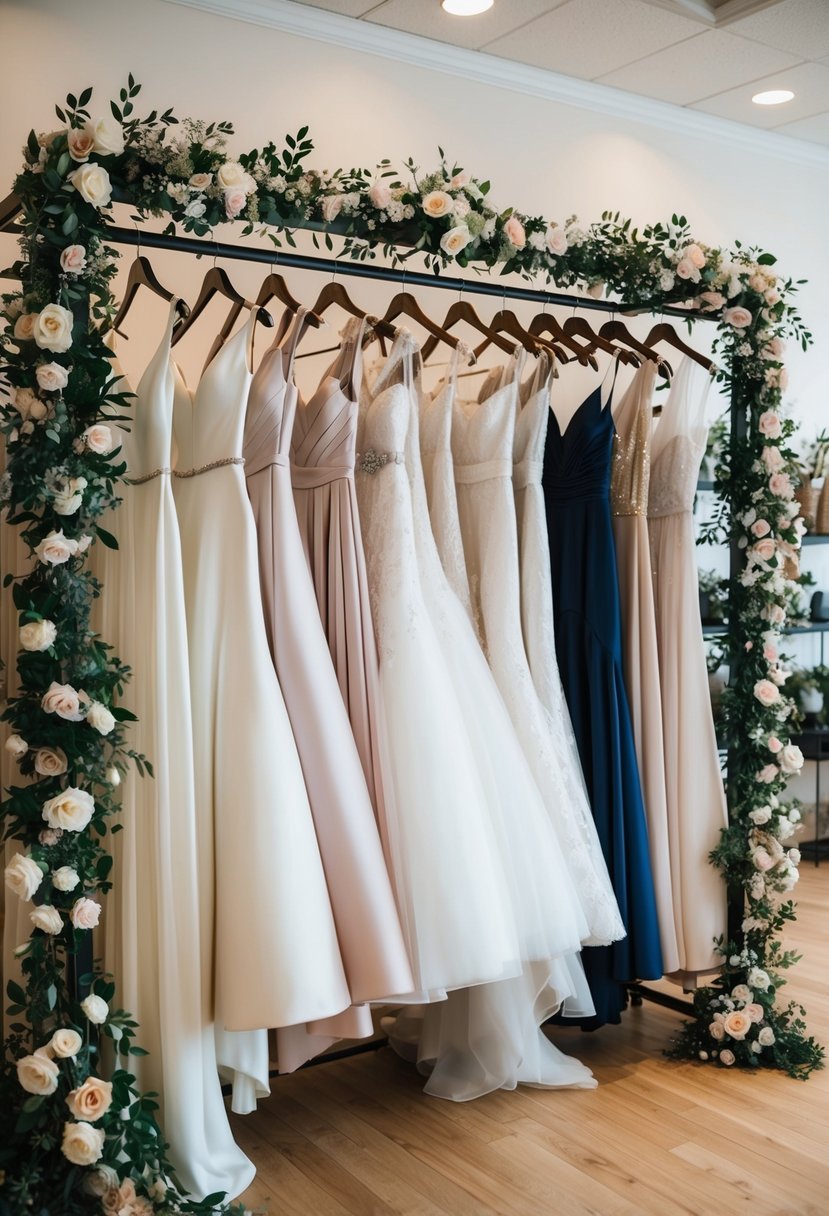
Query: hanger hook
pixel 461 286
pixel 405 272
pixel 138 236
pixel 215 253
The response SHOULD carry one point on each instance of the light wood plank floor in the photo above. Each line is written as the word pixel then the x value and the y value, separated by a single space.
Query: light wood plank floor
pixel 357 1137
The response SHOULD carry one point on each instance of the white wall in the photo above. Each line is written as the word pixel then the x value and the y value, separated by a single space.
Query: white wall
pixel 543 155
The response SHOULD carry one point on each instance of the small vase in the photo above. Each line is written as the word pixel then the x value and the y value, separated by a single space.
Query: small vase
pixel 811 700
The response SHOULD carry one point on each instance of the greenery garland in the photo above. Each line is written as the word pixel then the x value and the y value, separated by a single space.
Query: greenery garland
pixel 70 1141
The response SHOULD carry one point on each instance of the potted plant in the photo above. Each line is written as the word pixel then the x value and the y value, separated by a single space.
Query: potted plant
pixel 713 597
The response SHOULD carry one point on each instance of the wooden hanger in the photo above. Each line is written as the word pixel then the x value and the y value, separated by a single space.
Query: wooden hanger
pixel 663 332
pixel 545 322
pixel 274 287
pixel 333 293
pixel 505 321
pixel 142 275
pixel 216 282
pixel 462 310
pixel 405 304
pixel 617 331
pixel 579 326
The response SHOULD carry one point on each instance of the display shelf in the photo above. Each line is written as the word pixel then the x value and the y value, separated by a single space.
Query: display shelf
pixel 713 631
pixel 815 538
pixel 705 485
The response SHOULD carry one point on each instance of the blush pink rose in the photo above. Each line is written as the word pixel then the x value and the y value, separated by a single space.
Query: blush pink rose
pixel 766 692
pixel 98 438
pixel 765 549
pixel 685 269
pixel 712 300
pixel 773 459
pixel 762 860
pixel 694 255
pixel 24 326
pixel 737 317
pixel 459 180
pixel 235 199
pixel 73 259
pixel 380 195
pixel 780 484
pixel 755 1012
pixel 514 232
pixel 85 913
pixel 770 653
pixel 769 425
pixel 331 207
pixel 767 774
pixel 761 528
pixel 80 142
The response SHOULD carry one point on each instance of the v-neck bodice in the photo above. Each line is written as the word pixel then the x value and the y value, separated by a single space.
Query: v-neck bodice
pixel 577 461
pixel 209 421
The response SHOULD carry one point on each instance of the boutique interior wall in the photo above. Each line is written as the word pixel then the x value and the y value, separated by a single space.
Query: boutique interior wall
pixel 545 155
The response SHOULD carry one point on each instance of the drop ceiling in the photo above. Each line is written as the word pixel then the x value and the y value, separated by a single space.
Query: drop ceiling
pixel 706 55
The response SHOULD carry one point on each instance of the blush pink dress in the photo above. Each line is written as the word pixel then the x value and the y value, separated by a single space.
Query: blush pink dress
pixel 365 914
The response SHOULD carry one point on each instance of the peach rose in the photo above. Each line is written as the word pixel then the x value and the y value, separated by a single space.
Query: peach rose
pixel 737 317
pixel 24 327
pixel 765 549
pixel 780 484
pixel 66 1043
pixel 727 1057
pixel 63 700
pixel 437 203
pixel 761 528
pixel 70 810
pixel 91 1100
pixel 81 143
pixel 85 913
pixel 98 439
pixel 737 1024
pixel 694 255
pixel 38 1075
pixel 712 300
pixel 458 181
pixel 767 774
pixel 380 195
pixel 82 1144
pixel 73 259
pixel 200 181
pixel 685 269
pixel 514 232
pixel 50 762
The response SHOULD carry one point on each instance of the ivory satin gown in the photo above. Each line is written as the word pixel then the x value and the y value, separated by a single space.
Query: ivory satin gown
pixel 696 799
pixel 157 946
pixel 368 927
pixel 630 478
pixel 278 959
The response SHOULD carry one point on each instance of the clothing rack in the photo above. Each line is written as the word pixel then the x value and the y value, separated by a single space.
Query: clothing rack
pixel 502 291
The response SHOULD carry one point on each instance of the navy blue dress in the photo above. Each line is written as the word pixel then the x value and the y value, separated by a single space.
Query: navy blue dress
pixel 589 650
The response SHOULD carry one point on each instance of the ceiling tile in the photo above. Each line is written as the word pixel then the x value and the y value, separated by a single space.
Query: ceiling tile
pixel 426 17
pixel 815 128
pixel 698 67
pixel 588 38
pixel 809 82
pixel 798 26
pixel 349 8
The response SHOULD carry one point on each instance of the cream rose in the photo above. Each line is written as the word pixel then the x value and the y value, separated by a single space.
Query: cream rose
pixel 47 919
pixel 63 700
pixel 765 1036
pixel 56 548
pixel 92 184
pixel 38 635
pixel 82 1144
pixel 200 181
pixel 24 327
pixel 741 992
pixel 81 143
pixel 456 239
pixel 555 239
pixel 51 377
pixel 769 425
pixel 331 207
pixel 716 1031
pixel 761 815
pixel 437 203
pixel 23 876
pixel 766 692
pixel 764 549
pixel 737 317
pixel 69 496
pixel 99 717
pixel 50 762
pixel 727 1057
pixel 737 1025
pixel 91 1100
pixel 791 759
pixel 16 746
pixel 66 1043
pixel 70 810
pixel 38 1075
pixel 95 1009
pixel 66 879
pixel 108 135
pixel 380 195
pixel 230 174
pixel 514 232
pixel 53 328
pixel 73 259
pixel 85 913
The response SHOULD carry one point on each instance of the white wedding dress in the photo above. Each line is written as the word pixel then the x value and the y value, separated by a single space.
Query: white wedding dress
pixel 277 956
pixel 156 946
pixel 485 1037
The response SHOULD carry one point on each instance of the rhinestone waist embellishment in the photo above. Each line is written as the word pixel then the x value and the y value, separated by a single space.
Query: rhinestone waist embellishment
pixel 139 481
pixel 206 468
pixel 373 462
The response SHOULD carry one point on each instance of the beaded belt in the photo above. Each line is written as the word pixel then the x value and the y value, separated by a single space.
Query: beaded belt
pixel 373 462
pixel 207 468
pixel 138 481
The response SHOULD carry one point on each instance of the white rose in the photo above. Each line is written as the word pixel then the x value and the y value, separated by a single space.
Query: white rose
pixel 85 913
pixel 437 203
pixel 47 919
pixel 67 501
pixel 56 548
pixel 73 259
pixel 757 978
pixel 113 776
pixel 716 1031
pixel 16 746
pixel 92 184
pixel 230 174
pixel 742 992
pixel 70 810
pixel 38 1075
pixel 765 1036
pixel 556 239
pixel 761 815
pixel 195 209
pixel 65 879
pixel 456 239
pixel 95 1008
pixel 38 635
pixel 791 759
pixel 82 1143
pixel 794 856
pixel 52 329
pixel 99 717
pixel 23 876
pixel 50 761
pixel 99 439
pixel 380 195
pixel 108 135
pixel 90 1101
pixel 66 1043
pixel 51 377
pixel 63 700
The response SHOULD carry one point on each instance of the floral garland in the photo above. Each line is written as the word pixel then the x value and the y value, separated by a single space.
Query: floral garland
pixel 69 730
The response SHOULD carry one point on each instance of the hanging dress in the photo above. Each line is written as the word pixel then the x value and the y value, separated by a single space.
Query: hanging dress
pixel 696 801
pixel 630 476
pixel 156 945
pixel 368 927
pixel 588 644
pixel 278 960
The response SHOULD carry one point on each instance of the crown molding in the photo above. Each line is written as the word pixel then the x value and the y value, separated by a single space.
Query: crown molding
pixel 305 21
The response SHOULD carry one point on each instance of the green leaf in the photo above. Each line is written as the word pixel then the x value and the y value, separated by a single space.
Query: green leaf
pixel 106 538
pixel 70 223
pixel 51 996
pixel 15 993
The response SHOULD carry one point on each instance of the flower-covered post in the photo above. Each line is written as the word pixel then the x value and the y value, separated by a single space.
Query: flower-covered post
pixel 71 1139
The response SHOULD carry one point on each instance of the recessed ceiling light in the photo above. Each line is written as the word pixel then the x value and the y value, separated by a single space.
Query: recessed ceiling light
pixel 773 97
pixel 466 8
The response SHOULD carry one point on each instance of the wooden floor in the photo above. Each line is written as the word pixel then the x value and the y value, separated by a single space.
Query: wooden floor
pixel 357 1137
